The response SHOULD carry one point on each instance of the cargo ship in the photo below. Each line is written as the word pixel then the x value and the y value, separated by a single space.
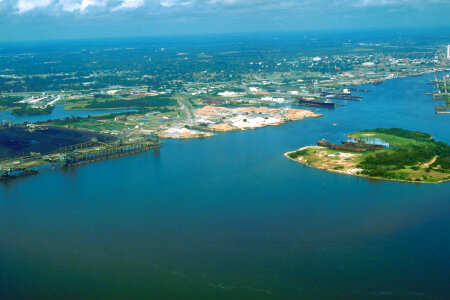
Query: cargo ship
pixel 315 102
pixel 342 96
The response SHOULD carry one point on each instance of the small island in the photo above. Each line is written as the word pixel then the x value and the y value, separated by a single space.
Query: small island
pixel 382 153
pixel 28 110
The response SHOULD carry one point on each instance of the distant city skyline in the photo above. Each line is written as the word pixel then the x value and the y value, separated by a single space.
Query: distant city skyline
pixel 65 19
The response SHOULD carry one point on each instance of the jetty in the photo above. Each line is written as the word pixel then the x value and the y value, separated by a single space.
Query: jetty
pixel 15 173
pixel 74 155
pixel 112 150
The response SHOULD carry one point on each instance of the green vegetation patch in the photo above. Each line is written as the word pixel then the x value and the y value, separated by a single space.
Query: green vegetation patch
pixel 413 156
pixel 297 153
pixel 8 102
pixel 27 110
pixel 140 103
pixel 394 136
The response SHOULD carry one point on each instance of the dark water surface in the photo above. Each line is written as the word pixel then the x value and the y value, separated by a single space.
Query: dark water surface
pixel 230 218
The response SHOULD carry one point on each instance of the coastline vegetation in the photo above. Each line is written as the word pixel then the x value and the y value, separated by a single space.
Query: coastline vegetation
pixel 412 151
pixel 27 110
pixel 412 156
pixel 9 102
pixel 297 153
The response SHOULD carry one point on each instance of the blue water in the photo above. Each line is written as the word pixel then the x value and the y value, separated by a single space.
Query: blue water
pixel 59 112
pixel 229 217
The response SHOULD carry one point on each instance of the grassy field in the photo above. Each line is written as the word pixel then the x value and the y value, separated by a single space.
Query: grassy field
pixel 412 156
pixel 96 125
pixel 114 102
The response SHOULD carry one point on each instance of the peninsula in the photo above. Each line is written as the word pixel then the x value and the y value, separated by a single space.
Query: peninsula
pixel 388 154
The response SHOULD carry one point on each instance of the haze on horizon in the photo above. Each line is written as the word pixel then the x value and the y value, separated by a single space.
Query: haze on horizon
pixel 67 19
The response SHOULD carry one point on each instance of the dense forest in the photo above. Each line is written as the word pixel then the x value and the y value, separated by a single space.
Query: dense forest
pixel 9 101
pixel 27 110
pixel 382 163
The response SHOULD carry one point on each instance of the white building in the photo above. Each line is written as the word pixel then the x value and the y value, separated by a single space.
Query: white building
pixel 276 100
pixel 229 94
pixel 111 92
pixel 368 64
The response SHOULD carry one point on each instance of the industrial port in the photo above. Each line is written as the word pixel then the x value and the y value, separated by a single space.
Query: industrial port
pixel 442 95
pixel 137 110
pixel 13 166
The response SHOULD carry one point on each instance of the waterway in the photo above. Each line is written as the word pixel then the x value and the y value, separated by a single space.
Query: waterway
pixel 229 217
pixel 59 112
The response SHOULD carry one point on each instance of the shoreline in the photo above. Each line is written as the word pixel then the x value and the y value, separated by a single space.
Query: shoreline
pixel 306 114
pixel 356 175
pixel 223 119
pixel 369 81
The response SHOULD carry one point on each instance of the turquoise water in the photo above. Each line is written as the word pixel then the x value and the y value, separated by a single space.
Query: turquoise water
pixel 229 217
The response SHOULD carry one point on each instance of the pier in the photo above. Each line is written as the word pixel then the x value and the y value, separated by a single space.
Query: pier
pixel 442 95
pixel 15 173
pixel 74 159
pixel 78 154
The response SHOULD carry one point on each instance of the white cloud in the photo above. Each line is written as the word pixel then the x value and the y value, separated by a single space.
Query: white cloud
pixel 26 5
pixel 168 3
pixel 179 3
pixel 377 2
pixel 374 3
pixel 130 4
pixel 73 5
pixel 54 7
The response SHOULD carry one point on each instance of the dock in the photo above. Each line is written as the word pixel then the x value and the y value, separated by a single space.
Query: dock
pixel 79 154
pixel 15 173
pixel 75 159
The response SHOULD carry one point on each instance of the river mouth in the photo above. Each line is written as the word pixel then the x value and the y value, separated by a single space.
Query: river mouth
pixel 231 218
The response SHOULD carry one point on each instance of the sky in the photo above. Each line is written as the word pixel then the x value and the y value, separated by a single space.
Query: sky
pixel 72 19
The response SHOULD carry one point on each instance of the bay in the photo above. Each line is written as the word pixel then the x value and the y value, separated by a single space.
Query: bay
pixel 229 217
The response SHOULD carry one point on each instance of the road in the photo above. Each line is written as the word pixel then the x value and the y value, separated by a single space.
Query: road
pixel 187 107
